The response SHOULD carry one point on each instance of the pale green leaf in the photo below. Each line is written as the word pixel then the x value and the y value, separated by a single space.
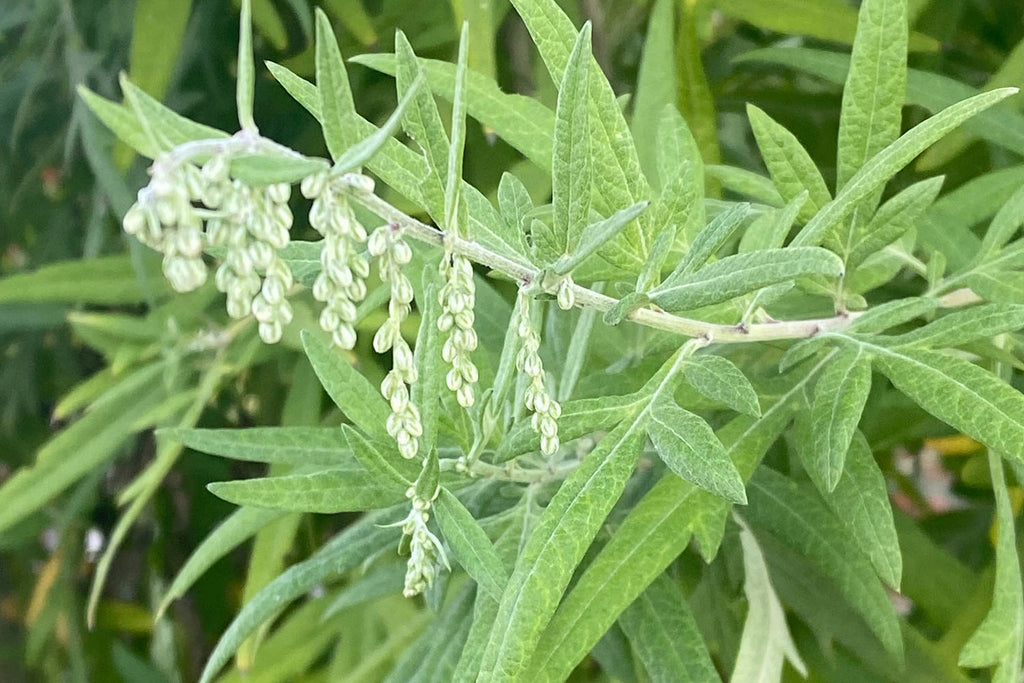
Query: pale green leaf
pixel 120 119
pixel 770 229
pixel 434 656
pixel 742 273
pixel 422 121
pixel 102 280
pixel 597 235
pixel 655 88
pixel 351 391
pixel 298 446
pixel 965 326
pixel 710 239
pixel 766 642
pixel 384 462
pixel 1003 226
pixel 892 220
pixel 454 208
pixel 839 399
pixel 998 286
pixel 160 22
pixel 743 181
pixel 327 491
pixel 246 84
pixel 720 380
pixel 361 152
pixel 892 313
pixel 789 164
pixel 665 637
pixel 334 98
pixel 173 128
pixel 469 544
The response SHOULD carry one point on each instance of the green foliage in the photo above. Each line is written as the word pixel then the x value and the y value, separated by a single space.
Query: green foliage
pixel 708 382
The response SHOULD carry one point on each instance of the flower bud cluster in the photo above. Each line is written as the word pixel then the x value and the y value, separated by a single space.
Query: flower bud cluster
pixel 566 297
pixel 250 223
pixel 458 297
pixel 342 280
pixel 425 552
pixel 546 410
pixel 392 252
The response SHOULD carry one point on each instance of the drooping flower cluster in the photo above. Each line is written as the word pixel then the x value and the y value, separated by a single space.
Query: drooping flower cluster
pixel 250 223
pixel 392 252
pixel 425 552
pixel 458 297
pixel 546 410
pixel 342 281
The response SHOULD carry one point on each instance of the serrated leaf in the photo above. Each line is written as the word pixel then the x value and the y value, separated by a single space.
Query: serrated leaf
pixel 689 447
pixel 887 163
pixel 595 236
pixel 557 544
pixel 839 399
pixel 238 527
pixel 789 164
pixel 299 446
pixel 875 87
pixel 350 391
pixel 327 491
pixel 720 380
pixel 965 326
pixel 710 239
pixel 341 554
pixel 960 394
pixel 334 98
pixel 798 518
pixel 766 642
pixel 571 167
pixel 470 545
pixel 999 641
pixel 665 636
pixel 742 273
pixel 892 220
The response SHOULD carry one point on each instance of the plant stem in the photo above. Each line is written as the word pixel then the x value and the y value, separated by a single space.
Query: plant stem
pixel 585 297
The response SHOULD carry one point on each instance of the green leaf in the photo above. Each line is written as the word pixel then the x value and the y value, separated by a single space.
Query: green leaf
pixel 238 527
pixel 344 552
pixel 470 545
pixel 679 157
pixel 881 167
pixel 875 87
pixel 742 181
pixel 742 273
pixel 798 518
pixel 960 394
pixel 769 231
pixel 892 220
pixel 454 209
pixel 892 313
pixel 766 642
pixel 689 447
pixel 665 637
pixel 839 399
pixel 327 491
pixel 394 469
pixel 361 152
pixel 427 391
pixel 720 380
pixel 104 280
pixel 298 446
pixel 597 235
pixel 334 98
pixel 695 99
pixel 965 326
pixel 515 204
pixel 676 216
pixel 655 88
pixel 999 641
pixel 1003 226
pixel 267 169
pixel 546 564
pixel 1002 287
pixel 861 500
pixel 246 70
pixel 121 120
pixel 710 239
pixel 435 653
pixel 173 128
pixel 155 22
pixel 422 121
pixel 571 168
pixel 789 164
pixel 350 391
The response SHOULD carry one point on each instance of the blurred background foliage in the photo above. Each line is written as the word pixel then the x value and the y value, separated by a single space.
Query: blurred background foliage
pixel 93 351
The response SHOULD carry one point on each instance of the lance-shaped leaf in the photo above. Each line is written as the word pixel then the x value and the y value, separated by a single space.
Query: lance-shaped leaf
pixel 596 235
pixel 742 273
pixel 327 491
pixel 965 326
pixel 422 120
pixel 333 96
pixel 361 152
pixel 571 168
pixel 351 391
pixel 875 86
pixel 689 447
pixel 999 641
pixel 514 202
pixel 892 313
pixel 664 634
pixel 795 515
pixel 655 87
pixel 246 84
pixel 454 206
pixel 383 461
pixel 720 380
pixel 742 181
pixel 470 545
pixel 121 120
pixel 297 446
pixel 710 239
pixel 789 164
pixel 766 642
pixel 839 399
pixel 268 168
pixel 892 220
pixel 959 393
pixel 556 546
pixel 887 163
pixel 770 231
pixel 1003 226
